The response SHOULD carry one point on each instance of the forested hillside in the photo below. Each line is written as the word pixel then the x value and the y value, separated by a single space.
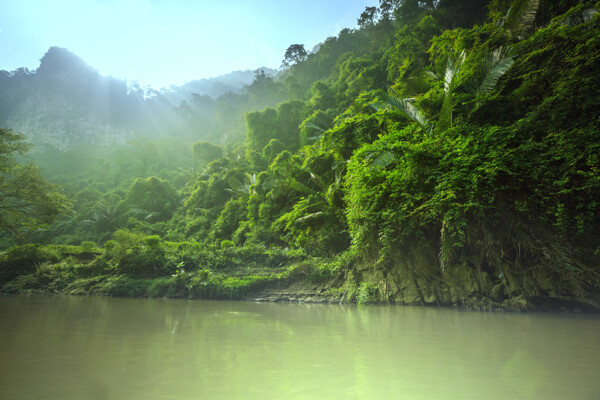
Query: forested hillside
pixel 445 153
pixel 65 104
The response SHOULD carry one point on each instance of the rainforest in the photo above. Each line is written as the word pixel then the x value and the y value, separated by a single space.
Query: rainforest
pixel 443 153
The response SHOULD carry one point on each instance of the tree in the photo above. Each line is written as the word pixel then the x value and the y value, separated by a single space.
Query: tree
pixel 260 83
pixel 294 54
pixel 157 197
pixel 409 11
pixel 368 17
pixel 206 152
pixel 27 201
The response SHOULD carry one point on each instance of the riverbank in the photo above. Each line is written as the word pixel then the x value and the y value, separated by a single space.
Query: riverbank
pixel 281 292
pixel 281 288
pixel 299 293
pixel 183 270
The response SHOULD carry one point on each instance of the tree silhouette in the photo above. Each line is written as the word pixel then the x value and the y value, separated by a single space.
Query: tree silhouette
pixel 294 54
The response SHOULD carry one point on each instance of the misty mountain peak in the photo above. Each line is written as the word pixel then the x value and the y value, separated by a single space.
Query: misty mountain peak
pixel 59 61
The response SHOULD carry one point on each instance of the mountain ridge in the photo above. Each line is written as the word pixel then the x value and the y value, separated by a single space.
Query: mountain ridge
pixel 66 101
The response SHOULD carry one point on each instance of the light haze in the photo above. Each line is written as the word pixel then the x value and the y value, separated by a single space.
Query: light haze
pixel 159 42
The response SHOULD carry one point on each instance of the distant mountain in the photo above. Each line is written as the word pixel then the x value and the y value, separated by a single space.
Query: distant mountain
pixel 65 102
pixel 214 87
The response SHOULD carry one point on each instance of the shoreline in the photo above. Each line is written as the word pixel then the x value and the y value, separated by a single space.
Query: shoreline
pixel 302 293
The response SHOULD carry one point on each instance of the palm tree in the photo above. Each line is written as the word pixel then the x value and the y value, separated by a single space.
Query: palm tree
pixel 104 218
pixel 490 69
pixel 445 118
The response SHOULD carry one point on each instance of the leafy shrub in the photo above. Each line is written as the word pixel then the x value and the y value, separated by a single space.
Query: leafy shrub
pixel 87 246
pixel 21 260
pixel 152 241
pixel 367 293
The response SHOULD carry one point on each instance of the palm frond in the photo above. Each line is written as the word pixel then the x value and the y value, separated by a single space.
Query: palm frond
pixel 380 157
pixel 452 71
pixel 319 181
pixel 300 187
pixel 445 120
pixel 309 217
pixel 315 127
pixel 416 84
pixel 238 187
pixel 433 75
pixel 580 17
pixel 405 106
pixel 234 183
pixel 494 74
pixel 521 16
pixel 152 216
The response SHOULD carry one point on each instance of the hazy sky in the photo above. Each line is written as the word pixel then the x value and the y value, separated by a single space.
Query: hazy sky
pixel 162 42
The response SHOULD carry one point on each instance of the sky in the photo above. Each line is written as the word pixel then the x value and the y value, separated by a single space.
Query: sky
pixel 169 42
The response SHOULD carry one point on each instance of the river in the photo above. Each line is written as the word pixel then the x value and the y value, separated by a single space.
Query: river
pixel 60 347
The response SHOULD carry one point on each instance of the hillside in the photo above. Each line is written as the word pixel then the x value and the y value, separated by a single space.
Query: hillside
pixel 65 103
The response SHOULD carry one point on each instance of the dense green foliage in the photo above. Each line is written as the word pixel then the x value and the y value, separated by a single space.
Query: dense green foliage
pixel 26 199
pixel 445 150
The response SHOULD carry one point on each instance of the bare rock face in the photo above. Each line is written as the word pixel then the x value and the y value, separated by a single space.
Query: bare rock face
pixel 415 278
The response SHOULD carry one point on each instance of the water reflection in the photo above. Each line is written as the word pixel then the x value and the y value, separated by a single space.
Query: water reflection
pixel 102 348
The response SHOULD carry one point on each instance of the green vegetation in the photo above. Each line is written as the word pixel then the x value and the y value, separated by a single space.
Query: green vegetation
pixel 26 199
pixel 446 152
